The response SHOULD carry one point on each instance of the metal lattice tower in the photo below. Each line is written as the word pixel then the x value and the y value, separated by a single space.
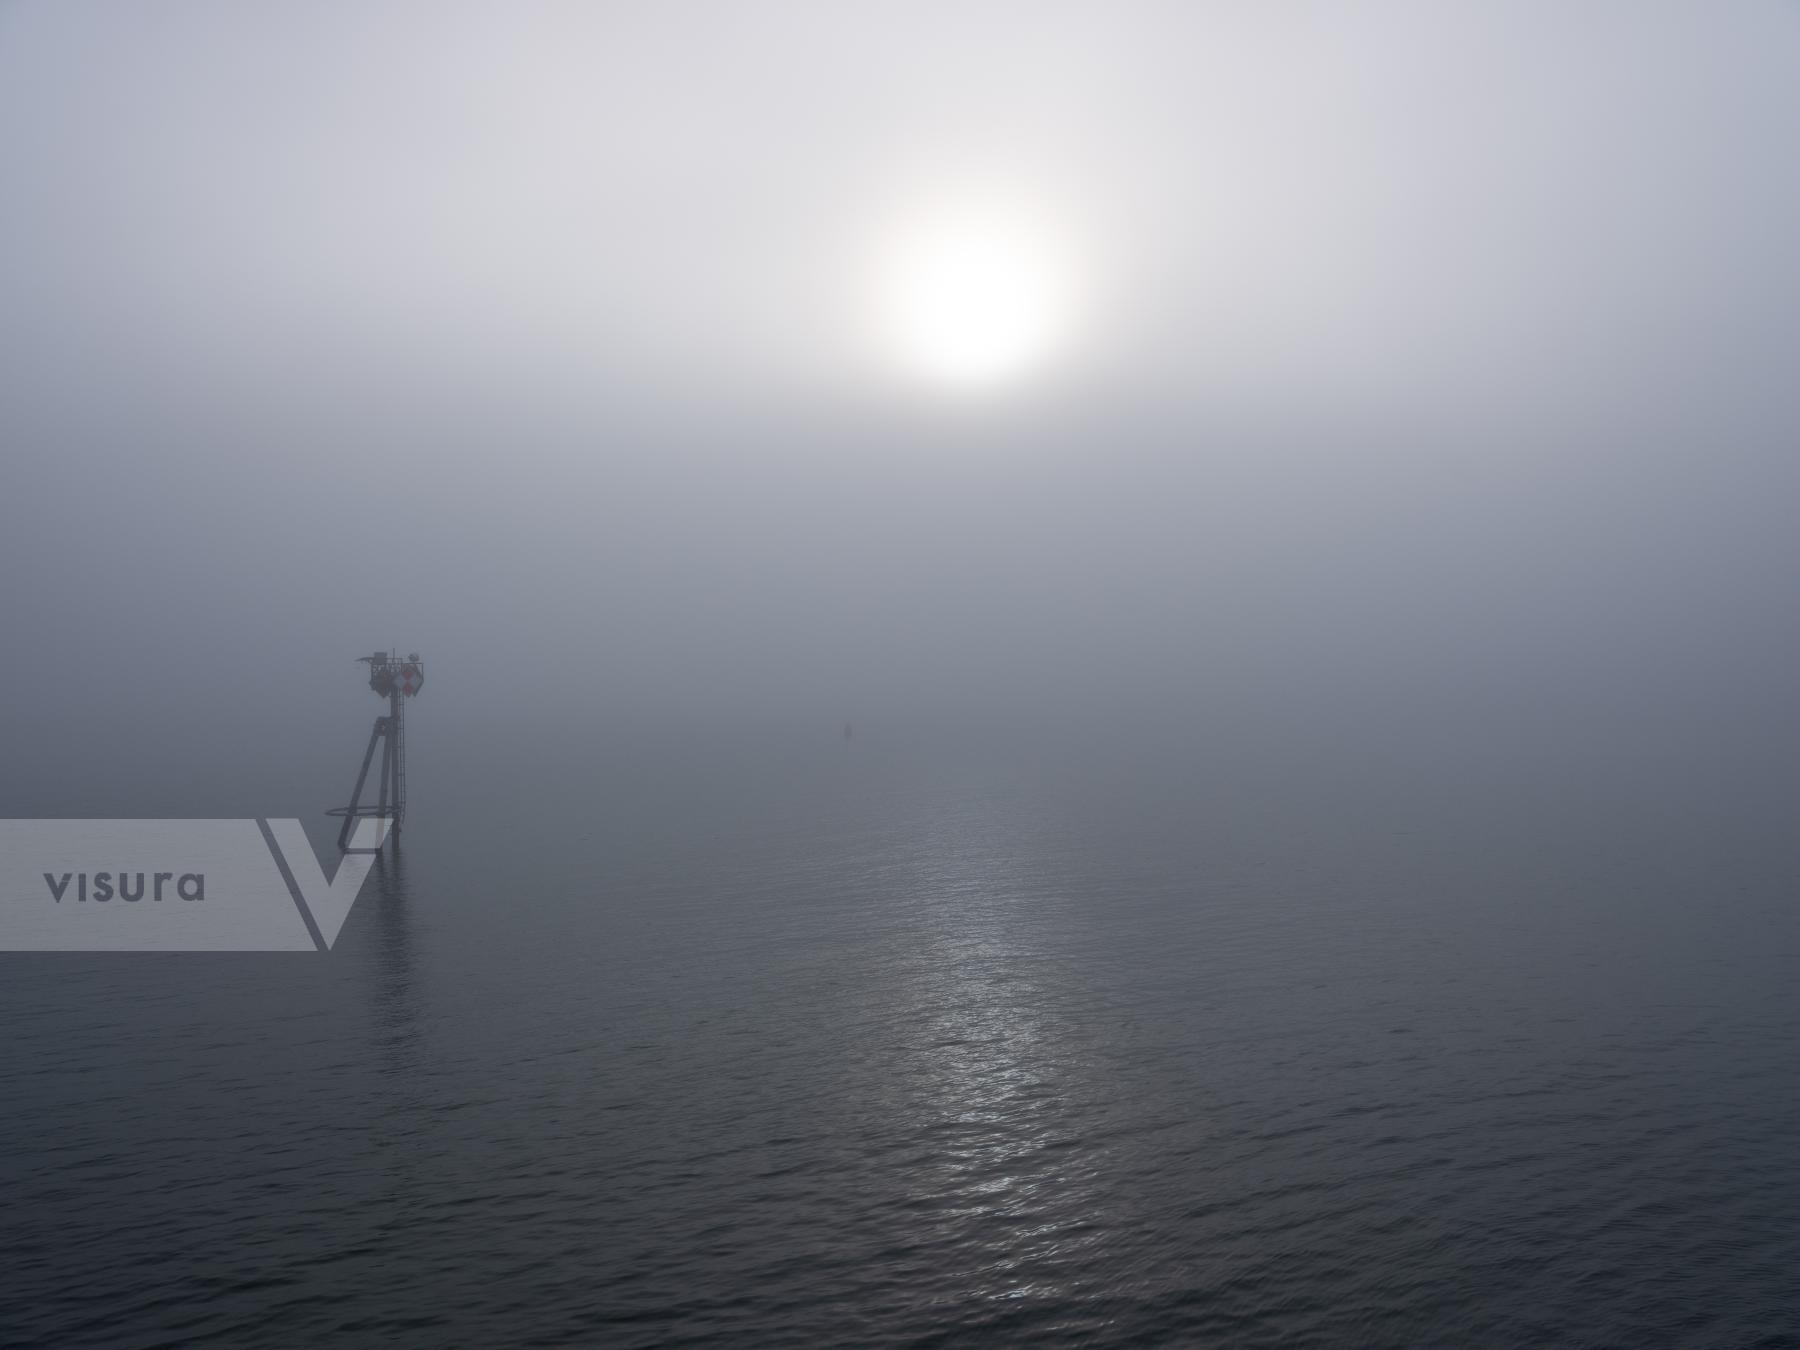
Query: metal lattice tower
pixel 396 680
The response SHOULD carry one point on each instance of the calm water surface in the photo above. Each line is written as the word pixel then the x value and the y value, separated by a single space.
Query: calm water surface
pixel 941 1039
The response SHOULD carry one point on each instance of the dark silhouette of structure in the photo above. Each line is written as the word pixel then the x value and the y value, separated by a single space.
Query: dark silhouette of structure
pixel 396 680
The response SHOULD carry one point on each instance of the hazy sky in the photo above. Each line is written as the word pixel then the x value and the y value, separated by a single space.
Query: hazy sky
pixel 1385 345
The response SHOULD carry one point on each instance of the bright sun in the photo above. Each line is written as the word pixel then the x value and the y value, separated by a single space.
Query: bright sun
pixel 974 301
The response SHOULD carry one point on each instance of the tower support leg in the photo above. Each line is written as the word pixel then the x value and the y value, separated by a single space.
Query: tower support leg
pixel 387 767
pixel 397 761
pixel 350 816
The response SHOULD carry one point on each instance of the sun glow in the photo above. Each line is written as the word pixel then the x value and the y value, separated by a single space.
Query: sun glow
pixel 974 301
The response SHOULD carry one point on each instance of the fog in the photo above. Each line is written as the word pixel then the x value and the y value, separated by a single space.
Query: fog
pixel 1432 366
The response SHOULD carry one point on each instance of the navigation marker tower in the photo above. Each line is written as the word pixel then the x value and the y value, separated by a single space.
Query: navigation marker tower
pixel 396 680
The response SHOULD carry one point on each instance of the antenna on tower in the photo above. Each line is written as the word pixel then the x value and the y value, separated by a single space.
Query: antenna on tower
pixel 394 679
